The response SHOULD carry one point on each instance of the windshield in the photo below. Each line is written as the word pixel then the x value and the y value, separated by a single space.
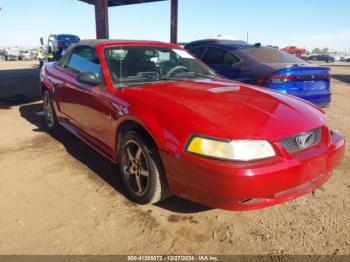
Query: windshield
pixel 138 64
pixel 268 55
pixel 68 38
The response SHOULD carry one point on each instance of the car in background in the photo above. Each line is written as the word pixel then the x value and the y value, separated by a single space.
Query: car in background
pixel 58 43
pixel 55 45
pixel 25 55
pixel 265 66
pixel 336 58
pixel 2 55
pixel 34 53
pixel 175 127
pixel 293 50
pixel 12 54
pixel 345 59
pixel 321 57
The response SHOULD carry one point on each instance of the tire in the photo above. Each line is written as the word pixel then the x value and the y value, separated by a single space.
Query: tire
pixel 141 169
pixel 49 113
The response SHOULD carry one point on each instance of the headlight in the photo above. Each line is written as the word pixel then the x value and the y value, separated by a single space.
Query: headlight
pixel 239 150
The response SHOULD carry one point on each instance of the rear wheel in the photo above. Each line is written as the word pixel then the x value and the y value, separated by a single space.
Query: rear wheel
pixel 49 112
pixel 142 170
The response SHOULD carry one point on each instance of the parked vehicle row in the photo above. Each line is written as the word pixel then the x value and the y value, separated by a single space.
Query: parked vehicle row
pixel 15 54
pixel 51 49
pixel 305 55
pixel 265 66
pixel 327 58
pixel 322 57
pixel 174 126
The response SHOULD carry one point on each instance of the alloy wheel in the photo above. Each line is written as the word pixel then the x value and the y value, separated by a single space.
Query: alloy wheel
pixel 48 112
pixel 135 167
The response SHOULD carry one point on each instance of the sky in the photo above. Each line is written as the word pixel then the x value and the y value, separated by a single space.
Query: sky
pixel 304 23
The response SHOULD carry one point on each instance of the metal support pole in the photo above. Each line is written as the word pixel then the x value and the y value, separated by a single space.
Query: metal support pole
pixel 101 16
pixel 174 21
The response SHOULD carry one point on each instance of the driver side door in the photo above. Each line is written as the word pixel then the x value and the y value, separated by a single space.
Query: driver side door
pixel 83 104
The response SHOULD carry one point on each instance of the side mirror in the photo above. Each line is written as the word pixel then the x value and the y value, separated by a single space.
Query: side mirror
pixel 88 78
pixel 41 40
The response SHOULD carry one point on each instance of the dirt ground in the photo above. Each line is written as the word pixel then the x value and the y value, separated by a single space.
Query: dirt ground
pixel 58 196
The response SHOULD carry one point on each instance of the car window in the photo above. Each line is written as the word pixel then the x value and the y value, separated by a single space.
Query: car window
pixel 198 51
pixel 136 64
pixel 85 60
pixel 268 55
pixel 214 56
pixel 232 59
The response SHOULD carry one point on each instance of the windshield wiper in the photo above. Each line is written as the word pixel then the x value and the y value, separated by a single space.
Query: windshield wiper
pixel 194 74
pixel 137 80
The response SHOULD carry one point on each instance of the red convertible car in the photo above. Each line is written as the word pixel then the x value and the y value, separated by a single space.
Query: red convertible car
pixel 174 127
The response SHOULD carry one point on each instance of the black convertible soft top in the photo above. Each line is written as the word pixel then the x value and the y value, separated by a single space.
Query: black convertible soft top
pixel 95 42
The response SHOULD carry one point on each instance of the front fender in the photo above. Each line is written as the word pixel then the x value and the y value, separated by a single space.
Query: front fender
pixel 150 123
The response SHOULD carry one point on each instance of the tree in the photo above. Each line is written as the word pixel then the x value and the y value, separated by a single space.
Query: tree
pixel 325 50
pixel 316 51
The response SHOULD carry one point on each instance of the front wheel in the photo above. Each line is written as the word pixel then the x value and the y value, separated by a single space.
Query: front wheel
pixel 141 169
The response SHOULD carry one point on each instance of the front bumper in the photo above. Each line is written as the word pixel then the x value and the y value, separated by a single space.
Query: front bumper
pixel 246 186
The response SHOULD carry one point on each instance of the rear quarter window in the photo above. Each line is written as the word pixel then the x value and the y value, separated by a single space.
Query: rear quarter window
pixel 268 55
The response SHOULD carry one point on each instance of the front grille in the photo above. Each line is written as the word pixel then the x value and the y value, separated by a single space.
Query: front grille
pixel 291 145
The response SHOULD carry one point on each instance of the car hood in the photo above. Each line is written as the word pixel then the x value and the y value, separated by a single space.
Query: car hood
pixel 237 110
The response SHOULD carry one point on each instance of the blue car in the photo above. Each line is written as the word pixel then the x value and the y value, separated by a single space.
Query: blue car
pixel 265 66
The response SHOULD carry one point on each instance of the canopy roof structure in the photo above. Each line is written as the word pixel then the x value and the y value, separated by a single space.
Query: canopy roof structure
pixel 123 2
pixel 101 15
